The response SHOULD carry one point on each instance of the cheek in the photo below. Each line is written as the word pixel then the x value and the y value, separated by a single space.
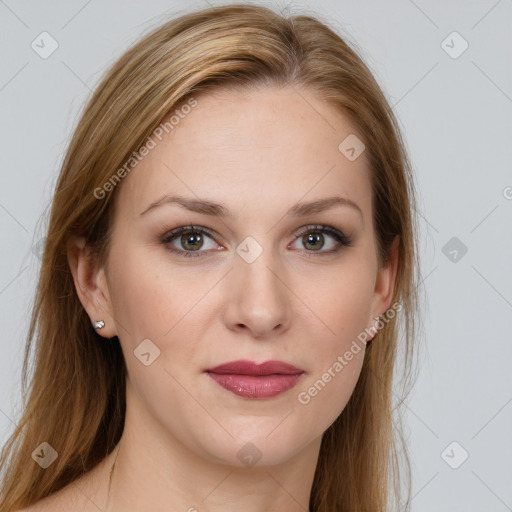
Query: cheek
pixel 155 301
pixel 343 303
pixel 341 298
pixel 149 296
pixel 324 395
pixel 166 304
pixel 337 362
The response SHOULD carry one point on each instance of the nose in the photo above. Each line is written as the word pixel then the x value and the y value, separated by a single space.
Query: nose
pixel 258 301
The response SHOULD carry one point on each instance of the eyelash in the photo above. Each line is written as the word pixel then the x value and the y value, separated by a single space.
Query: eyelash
pixel 340 237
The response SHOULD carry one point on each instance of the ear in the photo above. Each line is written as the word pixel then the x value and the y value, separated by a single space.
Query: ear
pixel 385 283
pixel 91 285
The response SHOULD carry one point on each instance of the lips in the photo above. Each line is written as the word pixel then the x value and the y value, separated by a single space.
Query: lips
pixel 257 381
pixel 243 367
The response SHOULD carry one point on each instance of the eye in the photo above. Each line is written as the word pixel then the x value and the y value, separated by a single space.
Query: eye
pixel 191 239
pixel 313 239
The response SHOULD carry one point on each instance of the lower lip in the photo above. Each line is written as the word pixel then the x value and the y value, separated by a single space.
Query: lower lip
pixel 249 386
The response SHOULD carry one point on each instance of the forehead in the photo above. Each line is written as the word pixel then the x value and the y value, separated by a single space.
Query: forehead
pixel 250 150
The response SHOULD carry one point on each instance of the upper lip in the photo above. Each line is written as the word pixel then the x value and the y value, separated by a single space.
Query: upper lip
pixel 244 367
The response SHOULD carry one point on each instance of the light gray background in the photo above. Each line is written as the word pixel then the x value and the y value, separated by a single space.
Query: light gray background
pixel 456 117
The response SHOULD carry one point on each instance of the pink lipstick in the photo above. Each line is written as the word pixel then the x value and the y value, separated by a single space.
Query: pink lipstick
pixel 257 381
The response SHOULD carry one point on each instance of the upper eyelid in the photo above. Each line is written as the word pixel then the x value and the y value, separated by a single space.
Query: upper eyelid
pixel 173 233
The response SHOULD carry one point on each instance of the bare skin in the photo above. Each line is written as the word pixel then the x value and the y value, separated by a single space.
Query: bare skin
pixel 257 153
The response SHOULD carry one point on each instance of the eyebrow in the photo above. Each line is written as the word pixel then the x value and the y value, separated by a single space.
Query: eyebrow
pixel 208 207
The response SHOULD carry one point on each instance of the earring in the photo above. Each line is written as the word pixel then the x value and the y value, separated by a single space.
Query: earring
pixel 375 328
pixel 99 324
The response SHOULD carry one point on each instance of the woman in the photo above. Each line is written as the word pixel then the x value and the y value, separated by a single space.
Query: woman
pixel 233 224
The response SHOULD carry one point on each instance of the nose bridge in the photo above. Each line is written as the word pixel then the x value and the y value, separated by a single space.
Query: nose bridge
pixel 259 275
pixel 260 298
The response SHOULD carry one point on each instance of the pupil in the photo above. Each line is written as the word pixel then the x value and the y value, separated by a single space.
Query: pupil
pixel 191 240
pixel 312 238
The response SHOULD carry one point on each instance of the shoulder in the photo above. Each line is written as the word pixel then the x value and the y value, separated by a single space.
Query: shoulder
pixel 58 502
pixel 85 494
pixel 70 498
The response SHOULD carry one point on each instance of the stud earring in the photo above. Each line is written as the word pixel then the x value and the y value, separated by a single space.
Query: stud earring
pixel 99 324
pixel 375 327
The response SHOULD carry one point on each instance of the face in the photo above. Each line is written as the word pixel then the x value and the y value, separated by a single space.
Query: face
pixel 268 280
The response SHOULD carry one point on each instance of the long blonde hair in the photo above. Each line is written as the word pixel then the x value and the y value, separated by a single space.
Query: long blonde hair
pixel 75 400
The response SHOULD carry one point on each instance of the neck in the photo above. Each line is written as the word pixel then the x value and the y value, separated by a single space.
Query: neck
pixel 156 470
